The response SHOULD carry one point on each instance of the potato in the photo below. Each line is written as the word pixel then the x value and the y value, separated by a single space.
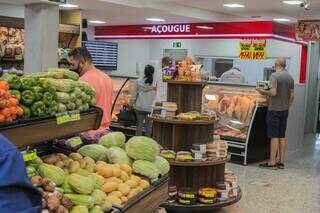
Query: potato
pixel 90 168
pixel 124 188
pixel 135 178
pixel 124 176
pixel 59 164
pixel 114 200
pixel 88 160
pixel 116 172
pixel 132 193
pixel 139 189
pixel 74 166
pixel 105 171
pixel 50 159
pixel 101 162
pixel 75 156
pixel 109 187
pixel 126 168
pixel 62 156
pixel 66 170
pixel 82 163
pixel 116 194
pixel 66 162
pixel 124 199
pixel 144 184
pixel 132 183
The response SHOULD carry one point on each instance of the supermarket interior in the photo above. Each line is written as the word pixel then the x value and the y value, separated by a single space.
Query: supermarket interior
pixel 155 106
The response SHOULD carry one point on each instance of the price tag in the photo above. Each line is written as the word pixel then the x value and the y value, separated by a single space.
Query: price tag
pixel 29 156
pixel 62 118
pixel 75 116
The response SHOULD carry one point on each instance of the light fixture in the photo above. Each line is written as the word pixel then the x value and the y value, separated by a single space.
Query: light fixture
pixel 281 19
pixel 235 5
pixel 155 19
pixel 97 22
pixel 204 27
pixel 293 2
pixel 68 6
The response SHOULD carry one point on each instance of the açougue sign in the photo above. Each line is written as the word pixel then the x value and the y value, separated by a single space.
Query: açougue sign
pixel 171 28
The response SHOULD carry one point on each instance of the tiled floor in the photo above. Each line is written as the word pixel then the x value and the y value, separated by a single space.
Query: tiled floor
pixel 296 189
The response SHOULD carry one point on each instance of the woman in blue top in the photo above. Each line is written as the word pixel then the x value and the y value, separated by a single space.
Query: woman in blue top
pixel 17 195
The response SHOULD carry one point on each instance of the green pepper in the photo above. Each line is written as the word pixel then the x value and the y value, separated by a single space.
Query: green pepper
pixel 15 94
pixel 85 106
pixel 26 111
pixel 47 87
pixel 62 107
pixel 77 92
pixel 27 97
pixel 38 109
pixel 71 106
pixel 93 101
pixel 31 171
pixel 29 81
pixel 38 92
pixel 47 98
pixel 13 80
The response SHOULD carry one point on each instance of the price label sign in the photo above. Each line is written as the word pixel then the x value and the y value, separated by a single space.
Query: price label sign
pixel 62 118
pixel 29 156
pixel 75 115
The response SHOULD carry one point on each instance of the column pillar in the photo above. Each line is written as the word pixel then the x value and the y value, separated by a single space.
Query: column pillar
pixel 41 37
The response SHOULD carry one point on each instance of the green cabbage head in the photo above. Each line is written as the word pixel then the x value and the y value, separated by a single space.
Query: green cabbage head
pixel 142 148
pixel 113 139
pixel 116 155
pixel 145 168
pixel 162 165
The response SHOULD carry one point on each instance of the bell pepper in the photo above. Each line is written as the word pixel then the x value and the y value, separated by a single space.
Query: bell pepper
pixel 53 108
pixel 13 80
pixel 15 94
pixel 62 107
pixel 38 109
pixel 26 111
pixel 38 92
pixel 27 97
pixel 78 103
pixel 29 81
pixel 71 106
pixel 47 98
pixel 93 101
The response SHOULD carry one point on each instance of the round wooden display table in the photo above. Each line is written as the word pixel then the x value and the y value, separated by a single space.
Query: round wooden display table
pixel 187 94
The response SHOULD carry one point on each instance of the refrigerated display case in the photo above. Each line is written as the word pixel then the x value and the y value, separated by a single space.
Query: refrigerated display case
pixel 241 112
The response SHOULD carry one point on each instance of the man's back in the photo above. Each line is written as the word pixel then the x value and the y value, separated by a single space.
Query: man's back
pixel 283 83
pixel 103 86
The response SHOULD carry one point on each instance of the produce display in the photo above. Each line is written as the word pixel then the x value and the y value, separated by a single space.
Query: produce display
pixel 50 92
pixel 98 176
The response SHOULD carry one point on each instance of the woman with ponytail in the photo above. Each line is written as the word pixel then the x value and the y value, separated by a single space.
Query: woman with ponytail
pixel 142 98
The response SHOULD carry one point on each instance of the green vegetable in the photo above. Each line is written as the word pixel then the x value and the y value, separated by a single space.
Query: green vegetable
pixel 47 87
pixel 29 81
pixel 39 109
pixel 35 163
pixel 13 80
pixel 93 150
pixel 62 73
pixel 113 139
pixel 162 165
pixel 98 179
pixel 61 85
pixel 117 155
pixel 93 101
pixel 15 94
pixel 75 141
pixel 26 111
pixel 66 186
pixel 98 196
pixel 31 171
pixel 79 209
pixel 47 98
pixel 82 200
pixel 71 106
pixel 54 173
pixel 83 172
pixel 59 189
pixel 81 184
pixel 62 97
pixel 96 209
pixel 145 168
pixel 106 206
pixel 79 103
pixel 27 97
pixel 85 107
pixel 38 92
pixel 142 148
pixel 62 107
pixel 78 92
pixel 54 108
pixel 85 87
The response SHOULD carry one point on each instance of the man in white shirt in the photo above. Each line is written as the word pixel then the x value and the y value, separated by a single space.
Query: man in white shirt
pixel 234 75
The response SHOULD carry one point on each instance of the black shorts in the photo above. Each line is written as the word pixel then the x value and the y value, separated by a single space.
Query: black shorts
pixel 277 123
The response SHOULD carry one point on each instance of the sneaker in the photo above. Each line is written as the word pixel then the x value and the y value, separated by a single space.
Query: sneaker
pixel 266 165
pixel 280 165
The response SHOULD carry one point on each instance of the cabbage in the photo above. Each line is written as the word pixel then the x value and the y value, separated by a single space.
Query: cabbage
pixel 142 148
pixel 162 165
pixel 113 139
pixel 117 155
pixel 145 168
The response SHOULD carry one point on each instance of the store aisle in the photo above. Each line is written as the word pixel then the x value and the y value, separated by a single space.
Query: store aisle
pixel 295 189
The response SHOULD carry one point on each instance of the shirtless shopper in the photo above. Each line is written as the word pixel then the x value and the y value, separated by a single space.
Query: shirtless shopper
pixel 281 95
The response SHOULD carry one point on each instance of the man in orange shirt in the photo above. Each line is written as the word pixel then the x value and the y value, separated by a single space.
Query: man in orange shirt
pixel 80 61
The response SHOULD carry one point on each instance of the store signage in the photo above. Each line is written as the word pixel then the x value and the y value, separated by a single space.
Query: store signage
pixel 67 117
pixel 171 28
pixel 308 30
pixel 177 44
pixel 253 49
pixel 29 155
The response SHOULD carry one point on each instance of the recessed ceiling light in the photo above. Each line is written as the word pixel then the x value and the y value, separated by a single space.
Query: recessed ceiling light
pixel 97 22
pixel 155 19
pixel 281 19
pixel 234 5
pixel 293 2
pixel 204 27
pixel 68 6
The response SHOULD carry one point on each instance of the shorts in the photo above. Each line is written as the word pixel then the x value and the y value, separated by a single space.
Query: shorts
pixel 277 123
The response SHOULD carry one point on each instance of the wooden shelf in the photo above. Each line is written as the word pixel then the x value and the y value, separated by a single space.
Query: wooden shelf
pixel 33 131
pixel 182 122
pixel 186 82
pixel 201 207
pixel 200 163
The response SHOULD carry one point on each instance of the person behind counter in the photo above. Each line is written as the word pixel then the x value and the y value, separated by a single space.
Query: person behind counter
pixel 16 193
pixel 234 75
pixel 281 95
pixel 80 61
pixel 161 92
pixel 142 98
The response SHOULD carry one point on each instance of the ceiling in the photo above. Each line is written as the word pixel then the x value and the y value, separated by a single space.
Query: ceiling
pixel 127 12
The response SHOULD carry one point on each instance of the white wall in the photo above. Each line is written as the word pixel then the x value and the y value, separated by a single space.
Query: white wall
pixel 15 11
